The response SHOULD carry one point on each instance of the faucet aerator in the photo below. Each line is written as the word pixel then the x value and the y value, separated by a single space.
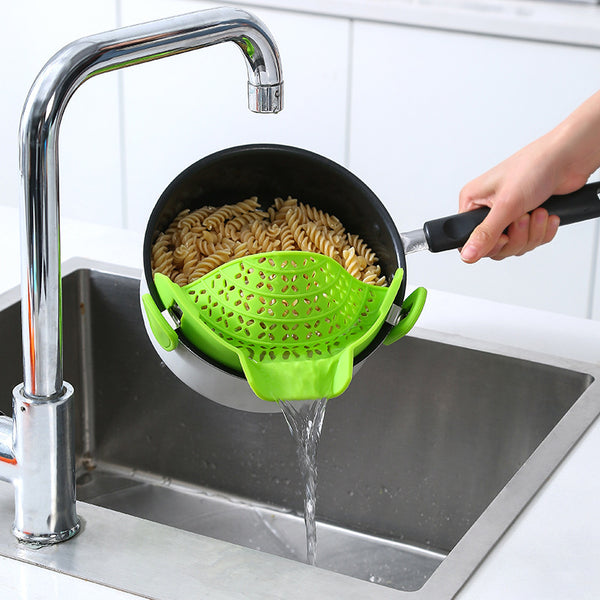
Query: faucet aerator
pixel 265 98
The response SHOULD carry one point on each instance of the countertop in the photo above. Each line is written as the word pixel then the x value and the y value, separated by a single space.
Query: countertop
pixel 552 549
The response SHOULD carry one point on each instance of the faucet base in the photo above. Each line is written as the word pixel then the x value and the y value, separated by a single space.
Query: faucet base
pixel 45 539
pixel 44 450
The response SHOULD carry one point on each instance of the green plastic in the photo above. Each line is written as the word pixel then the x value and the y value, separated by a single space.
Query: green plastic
pixel 250 51
pixel 165 335
pixel 411 311
pixel 291 321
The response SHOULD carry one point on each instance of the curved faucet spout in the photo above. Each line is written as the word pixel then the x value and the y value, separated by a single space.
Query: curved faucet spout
pixel 38 138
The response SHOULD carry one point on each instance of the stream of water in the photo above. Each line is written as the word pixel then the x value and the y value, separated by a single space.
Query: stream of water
pixel 305 420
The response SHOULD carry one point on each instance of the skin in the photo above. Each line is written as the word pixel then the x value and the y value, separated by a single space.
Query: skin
pixel 559 162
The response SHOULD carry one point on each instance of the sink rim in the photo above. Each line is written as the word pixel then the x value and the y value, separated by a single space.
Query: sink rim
pixel 449 577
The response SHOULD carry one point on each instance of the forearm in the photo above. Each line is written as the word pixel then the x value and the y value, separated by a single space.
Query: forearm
pixel 577 143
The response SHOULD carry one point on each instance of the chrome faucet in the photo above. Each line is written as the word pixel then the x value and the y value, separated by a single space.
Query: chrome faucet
pixel 37 448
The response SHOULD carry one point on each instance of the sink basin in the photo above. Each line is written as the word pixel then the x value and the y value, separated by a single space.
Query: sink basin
pixel 424 462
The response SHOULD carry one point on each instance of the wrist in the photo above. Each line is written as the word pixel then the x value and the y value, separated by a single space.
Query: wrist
pixel 572 154
pixel 579 137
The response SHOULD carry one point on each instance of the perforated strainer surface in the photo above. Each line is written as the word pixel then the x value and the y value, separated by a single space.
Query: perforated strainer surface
pixel 292 321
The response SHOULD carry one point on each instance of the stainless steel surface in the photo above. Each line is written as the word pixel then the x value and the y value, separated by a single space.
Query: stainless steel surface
pixel 419 474
pixel 44 447
pixel 394 315
pixel 41 456
pixel 262 527
pixel 156 561
pixel 265 98
pixel 7 455
pixel 414 241
pixel 37 455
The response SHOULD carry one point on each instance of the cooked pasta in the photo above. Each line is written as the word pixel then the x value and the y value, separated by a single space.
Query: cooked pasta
pixel 198 241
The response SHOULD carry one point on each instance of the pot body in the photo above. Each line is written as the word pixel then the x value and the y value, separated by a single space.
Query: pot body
pixel 266 171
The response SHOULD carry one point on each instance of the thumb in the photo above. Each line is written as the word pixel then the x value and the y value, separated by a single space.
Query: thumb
pixel 485 236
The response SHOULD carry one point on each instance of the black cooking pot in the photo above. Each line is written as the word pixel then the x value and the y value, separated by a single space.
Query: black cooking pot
pixel 269 171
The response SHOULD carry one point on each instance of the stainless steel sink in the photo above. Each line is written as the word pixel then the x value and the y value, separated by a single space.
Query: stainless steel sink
pixel 424 462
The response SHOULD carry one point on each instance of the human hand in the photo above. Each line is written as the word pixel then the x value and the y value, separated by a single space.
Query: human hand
pixel 559 162
pixel 514 190
pixel 509 229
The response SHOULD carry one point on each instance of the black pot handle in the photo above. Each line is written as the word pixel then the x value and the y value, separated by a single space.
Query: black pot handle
pixel 452 232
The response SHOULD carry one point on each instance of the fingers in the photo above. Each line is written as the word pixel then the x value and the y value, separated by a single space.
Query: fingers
pixel 552 229
pixel 542 229
pixel 509 229
pixel 487 238
pixel 518 238
pixel 523 235
pixel 499 245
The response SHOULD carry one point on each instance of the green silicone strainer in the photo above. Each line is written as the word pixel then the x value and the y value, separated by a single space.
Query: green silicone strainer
pixel 291 321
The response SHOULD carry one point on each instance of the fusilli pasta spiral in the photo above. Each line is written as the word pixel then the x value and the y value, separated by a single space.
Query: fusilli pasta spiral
pixel 200 240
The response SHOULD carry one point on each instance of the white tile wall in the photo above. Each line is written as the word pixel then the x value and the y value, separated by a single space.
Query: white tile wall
pixel 180 109
pixel 433 109
pixel 31 31
pixel 429 110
